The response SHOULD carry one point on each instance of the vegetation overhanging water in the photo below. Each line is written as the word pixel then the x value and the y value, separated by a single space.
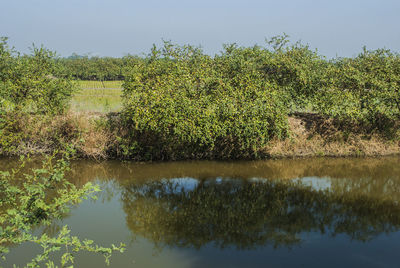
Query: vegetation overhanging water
pixel 281 100
pixel 194 214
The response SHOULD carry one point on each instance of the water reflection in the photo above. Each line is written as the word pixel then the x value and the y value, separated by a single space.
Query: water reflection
pixel 247 205
pixel 250 213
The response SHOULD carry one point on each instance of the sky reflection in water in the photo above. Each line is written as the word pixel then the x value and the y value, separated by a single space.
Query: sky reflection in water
pixel 280 213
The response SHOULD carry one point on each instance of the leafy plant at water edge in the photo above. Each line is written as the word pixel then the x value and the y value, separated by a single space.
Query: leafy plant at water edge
pixel 37 198
pixel 186 105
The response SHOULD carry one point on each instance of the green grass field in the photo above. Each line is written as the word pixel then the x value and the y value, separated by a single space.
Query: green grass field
pixel 98 96
pixel 100 84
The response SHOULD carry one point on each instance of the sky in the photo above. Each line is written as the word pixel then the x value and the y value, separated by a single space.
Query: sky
pixel 118 27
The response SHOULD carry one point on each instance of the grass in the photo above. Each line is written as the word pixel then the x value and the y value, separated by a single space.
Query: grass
pixel 98 96
pixel 100 84
pixel 99 136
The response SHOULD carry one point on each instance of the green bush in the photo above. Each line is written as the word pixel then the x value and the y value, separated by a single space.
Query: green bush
pixel 184 104
pixel 363 90
pixel 293 68
pixel 180 103
pixel 27 82
pixel 39 197
pixel 297 70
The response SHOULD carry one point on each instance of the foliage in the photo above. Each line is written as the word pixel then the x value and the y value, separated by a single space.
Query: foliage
pixel 27 82
pixel 364 89
pixel 10 132
pixel 36 198
pixel 296 69
pixel 181 103
pixel 96 68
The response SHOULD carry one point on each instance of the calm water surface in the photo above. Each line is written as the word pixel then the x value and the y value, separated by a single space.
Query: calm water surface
pixel 276 213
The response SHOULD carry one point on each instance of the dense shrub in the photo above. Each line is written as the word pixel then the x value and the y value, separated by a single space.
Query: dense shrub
pixel 294 69
pixel 363 90
pixel 183 104
pixel 27 82
pixel 180 103
pixel 28 89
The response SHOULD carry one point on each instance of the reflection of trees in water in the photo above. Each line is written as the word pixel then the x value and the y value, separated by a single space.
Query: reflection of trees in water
pixel 247 214
pixel 375 187
pixel 361 202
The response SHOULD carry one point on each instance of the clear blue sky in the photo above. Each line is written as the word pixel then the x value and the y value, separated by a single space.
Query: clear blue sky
pixel 118 27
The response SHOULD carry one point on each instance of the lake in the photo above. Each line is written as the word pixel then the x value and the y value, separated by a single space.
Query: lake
pixel 321 212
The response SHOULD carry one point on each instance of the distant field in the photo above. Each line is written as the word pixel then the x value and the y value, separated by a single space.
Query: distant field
pixel 100 84
pixel 98 96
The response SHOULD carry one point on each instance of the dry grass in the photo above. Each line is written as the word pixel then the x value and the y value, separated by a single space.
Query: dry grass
pixel 84 132
pixel 314 136
pixel 94 135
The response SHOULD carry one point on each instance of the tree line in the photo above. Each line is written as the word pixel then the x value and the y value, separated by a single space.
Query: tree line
pixel 96 68
pixel 179 102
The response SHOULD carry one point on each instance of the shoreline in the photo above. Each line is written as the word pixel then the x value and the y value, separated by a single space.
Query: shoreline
pixel 97 136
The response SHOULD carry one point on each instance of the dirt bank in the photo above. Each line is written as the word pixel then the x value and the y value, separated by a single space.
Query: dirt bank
pixel 96 135
pixel 311 135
